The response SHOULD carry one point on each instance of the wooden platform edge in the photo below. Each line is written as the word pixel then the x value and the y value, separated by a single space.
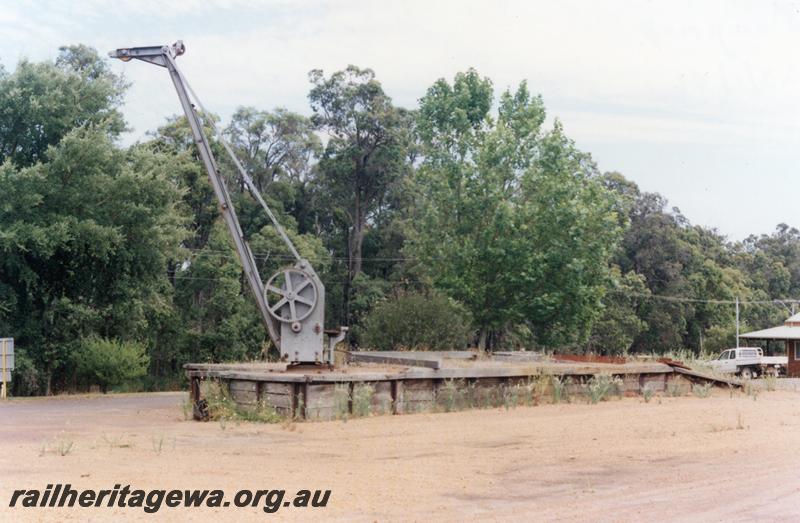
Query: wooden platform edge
pixel 421 373
pixel 708 377
pixel 395 359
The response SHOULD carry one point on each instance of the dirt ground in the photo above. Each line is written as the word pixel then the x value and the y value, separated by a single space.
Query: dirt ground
pixel 720 458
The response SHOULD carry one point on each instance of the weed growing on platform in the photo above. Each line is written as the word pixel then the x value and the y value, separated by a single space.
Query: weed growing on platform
pixel 222 408
pixel 341 401
pixel 702 390
pixel 674 389
pixel 600 386
pixel 362 399
pixel 647 393
pixel 559 385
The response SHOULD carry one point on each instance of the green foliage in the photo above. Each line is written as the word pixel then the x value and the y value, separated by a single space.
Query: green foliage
pixel 109 362
pixel 675 388
pixel 222 407
pixel 221 322
pixel 40 103
pixel 367 294
pixel 702 390
pixel 454 395
pixel 559 386
pixel 362 399
pixel 513 222
pixel 647 393
pixel 362 164
pixel 467 196
pixel 416 321
pixel 619 323
pixel 275 146
pixel 600 386
pixel 86 238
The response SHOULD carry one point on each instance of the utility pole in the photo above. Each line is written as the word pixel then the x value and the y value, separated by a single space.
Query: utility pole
pixel 737 322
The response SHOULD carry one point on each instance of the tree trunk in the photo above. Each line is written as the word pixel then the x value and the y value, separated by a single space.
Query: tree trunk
pixel 482 340
pixel 355 242
pixel 49 388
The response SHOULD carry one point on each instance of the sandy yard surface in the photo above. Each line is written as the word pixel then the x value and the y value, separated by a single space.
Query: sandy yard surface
pixel 686 459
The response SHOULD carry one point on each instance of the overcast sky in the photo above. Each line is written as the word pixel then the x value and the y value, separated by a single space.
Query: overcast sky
pixel 697 100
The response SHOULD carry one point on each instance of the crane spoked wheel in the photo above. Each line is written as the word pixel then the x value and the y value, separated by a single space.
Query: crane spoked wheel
pixel 291 296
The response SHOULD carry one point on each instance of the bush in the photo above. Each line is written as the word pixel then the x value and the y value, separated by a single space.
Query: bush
pixel 418 321
pixel 600 386
pixel 702 391
pixel 110 363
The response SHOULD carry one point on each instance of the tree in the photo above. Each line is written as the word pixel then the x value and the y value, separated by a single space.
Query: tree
pixel 85 240
pixel 41 102
pixel 277 145
pixel 513 223
pixel 687 269
pixel 221 322
pixel 418 322
pixel 109 363
pixel 363 159
pixel 619 323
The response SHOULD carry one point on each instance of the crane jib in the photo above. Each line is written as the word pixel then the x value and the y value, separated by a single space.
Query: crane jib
pixel 292 304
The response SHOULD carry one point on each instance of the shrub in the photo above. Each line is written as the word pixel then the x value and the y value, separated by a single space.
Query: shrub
pixel 417 321
pixel 222 407
pixel 647 393
pixel 600 386
pixel 110 363
pixel 559 384
pixel 675 389
pixel 702 391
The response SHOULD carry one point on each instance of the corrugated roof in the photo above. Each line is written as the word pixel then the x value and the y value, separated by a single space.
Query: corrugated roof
pixel 783 332
pixel 793 319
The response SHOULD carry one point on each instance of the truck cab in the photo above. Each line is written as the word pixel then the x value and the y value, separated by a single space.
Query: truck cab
pixel 748 362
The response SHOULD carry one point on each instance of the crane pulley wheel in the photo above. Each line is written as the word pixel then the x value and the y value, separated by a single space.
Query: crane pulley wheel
pixel 291 296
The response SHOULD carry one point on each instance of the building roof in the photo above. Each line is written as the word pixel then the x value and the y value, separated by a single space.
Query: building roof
pixel 782 332
pixel 793 320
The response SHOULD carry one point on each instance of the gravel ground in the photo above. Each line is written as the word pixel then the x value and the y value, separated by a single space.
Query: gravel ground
pixel 727 457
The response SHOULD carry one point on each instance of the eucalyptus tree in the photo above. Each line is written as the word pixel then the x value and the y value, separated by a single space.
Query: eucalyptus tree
pixel 363 159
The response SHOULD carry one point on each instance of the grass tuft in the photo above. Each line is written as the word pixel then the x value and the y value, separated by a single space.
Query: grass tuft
pixel 559 385
pixel 362 399
pixel 751 390
pixel 702 390
pixel 601 386
pixel 222 408
pixel 675 389
pixel 647 393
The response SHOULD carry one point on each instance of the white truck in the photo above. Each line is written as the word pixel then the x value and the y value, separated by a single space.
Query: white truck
pixel 749 362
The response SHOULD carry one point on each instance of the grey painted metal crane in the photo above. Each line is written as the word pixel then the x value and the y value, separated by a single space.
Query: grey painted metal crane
pixel 292 302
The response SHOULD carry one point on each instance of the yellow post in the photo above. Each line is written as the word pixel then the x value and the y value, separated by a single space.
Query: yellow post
pixel 4 387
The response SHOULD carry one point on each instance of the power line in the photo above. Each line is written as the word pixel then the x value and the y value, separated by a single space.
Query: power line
pixel 682 299
pixel 267 256
pixel 677 299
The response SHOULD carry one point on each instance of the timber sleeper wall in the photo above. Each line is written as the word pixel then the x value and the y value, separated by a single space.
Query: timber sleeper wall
pixel 326 400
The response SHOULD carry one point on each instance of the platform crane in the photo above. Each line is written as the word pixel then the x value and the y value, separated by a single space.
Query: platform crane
pixel 292 302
